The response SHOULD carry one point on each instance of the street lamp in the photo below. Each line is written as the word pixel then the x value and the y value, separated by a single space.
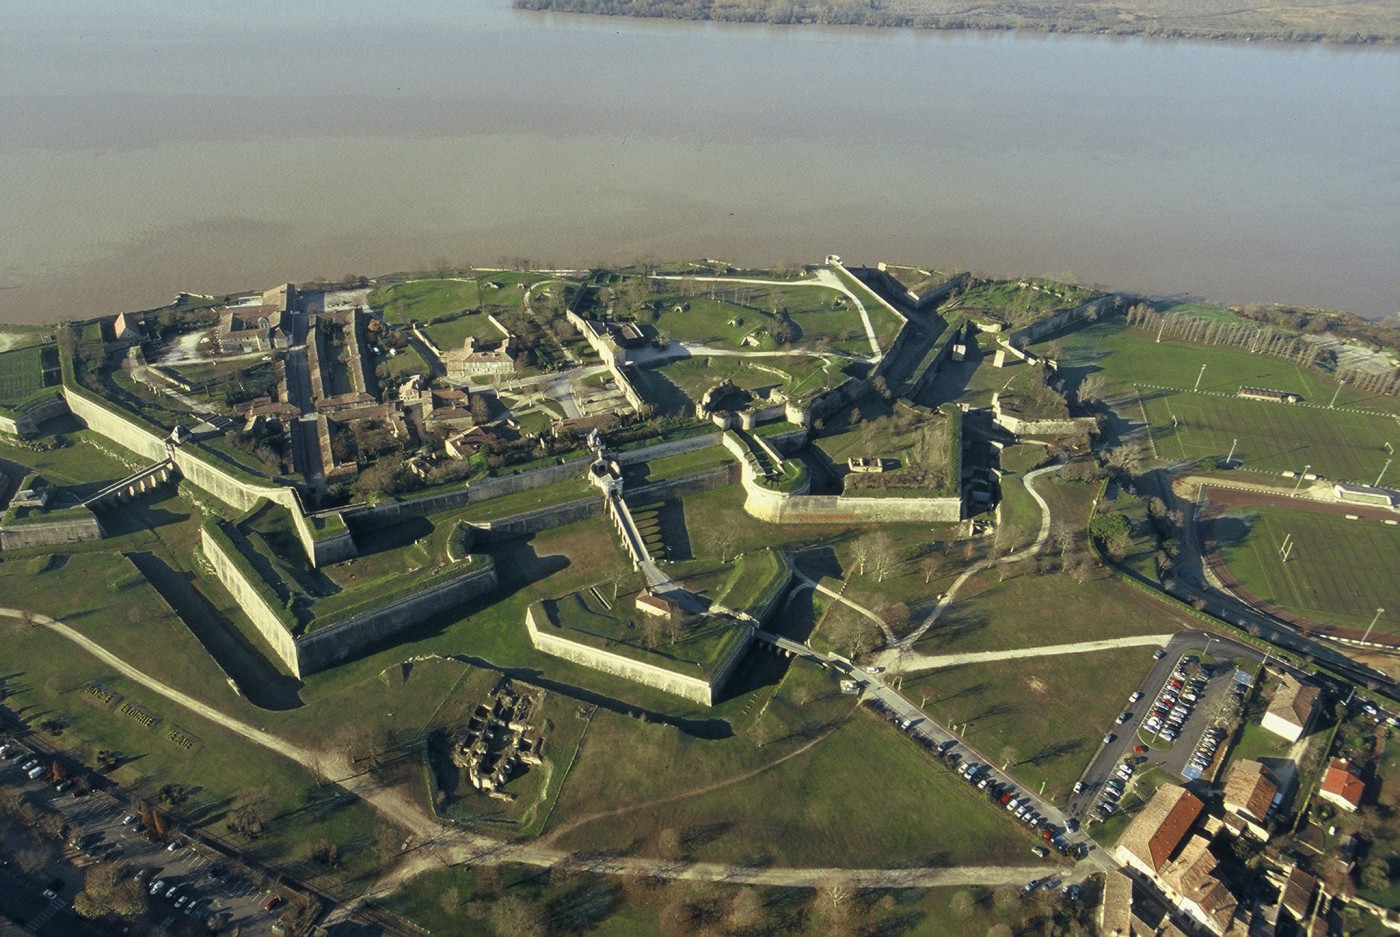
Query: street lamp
pixel 1366 637
pixel 1198 379
pixel 1340 385
pixel 1231 457
pixel 1306 468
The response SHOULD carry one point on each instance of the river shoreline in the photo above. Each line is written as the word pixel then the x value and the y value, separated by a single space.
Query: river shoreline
pixel 1126 21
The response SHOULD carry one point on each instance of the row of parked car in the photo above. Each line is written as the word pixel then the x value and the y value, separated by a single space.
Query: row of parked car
pixel 1173 707
pixel 1204 753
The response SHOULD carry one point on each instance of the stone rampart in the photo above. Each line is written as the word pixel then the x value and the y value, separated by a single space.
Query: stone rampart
pixel 26 421
pixel 779 508
pixel 1038 330
pixel 267 620
pixel 110 423
pixel 334 644
pixel 531 522
pixel 51 533
pixel 674 447
pixel 695 483
pixel 549 639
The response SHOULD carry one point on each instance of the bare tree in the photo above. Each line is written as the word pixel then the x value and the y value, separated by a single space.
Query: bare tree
pixel 860 552
pixel 724 543
pixel 883 554
pixel 931 566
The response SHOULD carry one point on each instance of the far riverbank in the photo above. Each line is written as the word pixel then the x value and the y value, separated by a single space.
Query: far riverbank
pixel 1208 20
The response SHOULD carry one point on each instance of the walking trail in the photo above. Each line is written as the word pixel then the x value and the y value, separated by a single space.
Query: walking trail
pixel 910 661
pixel 805 581
pixel 890 656
pixel 429 844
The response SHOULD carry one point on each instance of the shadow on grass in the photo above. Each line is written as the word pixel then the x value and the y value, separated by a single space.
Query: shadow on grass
pixel 253 673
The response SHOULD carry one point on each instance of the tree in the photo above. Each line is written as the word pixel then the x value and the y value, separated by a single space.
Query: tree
pixel 513 916
pixel 931 566
pixel 860 552
pixel 1092 388
pixel 883 554
pixel 723 541
pixel 1375 874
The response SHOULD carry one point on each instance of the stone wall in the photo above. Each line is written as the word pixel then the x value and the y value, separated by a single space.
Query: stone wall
pixel 264 618
pixel 550 640
pixel 548 518
pixel 706 480
pixel 1038 330
pixel 198 467
pixel 780 508
pixel 40 534
pixel 134 436
pixel 332 645
pixel 1064 427
pixel 674 447
pixel 26 422
pixel 840 396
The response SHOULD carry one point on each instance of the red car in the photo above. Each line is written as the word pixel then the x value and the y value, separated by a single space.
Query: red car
pixel 1140 749
pixel 272 902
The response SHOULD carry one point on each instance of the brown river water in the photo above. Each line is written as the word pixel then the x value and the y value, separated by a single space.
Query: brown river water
pixel 210 147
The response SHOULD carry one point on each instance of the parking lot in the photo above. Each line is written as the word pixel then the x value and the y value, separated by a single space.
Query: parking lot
pixel 1130 742
pixel 200 892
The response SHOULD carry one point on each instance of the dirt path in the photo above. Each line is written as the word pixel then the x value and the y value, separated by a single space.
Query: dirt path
pixel 429 844
pixel 934 661
pixel 832 593
pixel 890 657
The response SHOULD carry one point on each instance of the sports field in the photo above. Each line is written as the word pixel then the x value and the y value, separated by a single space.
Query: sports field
pixel 1127 356
pixel 1273 437
pixel 21 374
pixel 1338 572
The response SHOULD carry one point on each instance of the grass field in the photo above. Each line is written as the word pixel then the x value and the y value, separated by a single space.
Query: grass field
pixel 1043 715
pixel 1129 356
pixel 1338 573
pixel 990 615
pixel 1338 444
pixel 911 809
pixel 21 374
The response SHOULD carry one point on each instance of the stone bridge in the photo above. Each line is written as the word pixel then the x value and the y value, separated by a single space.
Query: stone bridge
pixel 148 479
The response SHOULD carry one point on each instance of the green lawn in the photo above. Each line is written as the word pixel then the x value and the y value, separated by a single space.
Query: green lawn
pixel 1043 715
pixel 990 615
pixel 21 374
pixel 422 300
pixel 823 318
pixel 1133 356
pixel 798 375
pixel 1337 444
pixel 911 810
pixel 452 334
pixel 1338 573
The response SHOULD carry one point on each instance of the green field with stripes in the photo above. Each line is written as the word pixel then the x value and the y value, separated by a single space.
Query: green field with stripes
pixel 1273 437
pixel 1338 572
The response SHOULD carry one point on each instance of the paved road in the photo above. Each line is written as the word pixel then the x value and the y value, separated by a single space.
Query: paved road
pixel 911 662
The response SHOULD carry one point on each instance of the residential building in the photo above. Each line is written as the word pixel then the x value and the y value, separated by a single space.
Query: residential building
pixel 1159 829
pixel 1250 791
pixel 1291 710
pixel 1340 787
pixel 477 359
